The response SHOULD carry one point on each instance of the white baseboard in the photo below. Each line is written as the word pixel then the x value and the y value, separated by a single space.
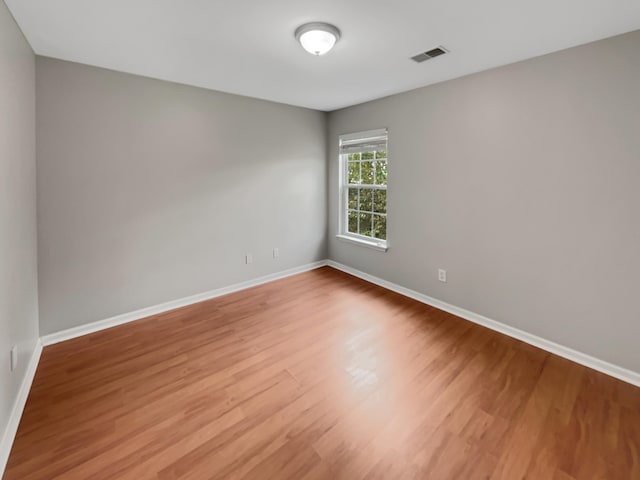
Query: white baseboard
pixel 164 307
pixel 616 371
pixel 18 407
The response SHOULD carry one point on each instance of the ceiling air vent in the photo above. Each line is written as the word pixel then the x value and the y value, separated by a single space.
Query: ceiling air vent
pixel 433 53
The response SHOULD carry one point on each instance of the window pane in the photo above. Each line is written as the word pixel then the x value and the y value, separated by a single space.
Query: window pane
pixel 380 226
pixel 365 224
pixel 381 173
pixel 354 172
pixel 353 222
pixel 366 200
pixel 380 201
pixel 363 189
pixel 367 173
pixel 353 198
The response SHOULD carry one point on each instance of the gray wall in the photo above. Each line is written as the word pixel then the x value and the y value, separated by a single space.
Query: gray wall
pixel 150 191
pixel 524 183
pixel 18 282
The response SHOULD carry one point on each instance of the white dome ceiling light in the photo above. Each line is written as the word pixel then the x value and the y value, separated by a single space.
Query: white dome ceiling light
pixel 317 38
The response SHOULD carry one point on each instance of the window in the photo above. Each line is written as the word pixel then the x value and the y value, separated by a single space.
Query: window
pixel 363 188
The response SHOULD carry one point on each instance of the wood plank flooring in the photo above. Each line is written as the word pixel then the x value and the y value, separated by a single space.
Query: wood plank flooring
pixel 319 376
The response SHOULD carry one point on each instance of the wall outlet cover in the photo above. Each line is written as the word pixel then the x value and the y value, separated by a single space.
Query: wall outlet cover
pixel 14 357
pixel 442 275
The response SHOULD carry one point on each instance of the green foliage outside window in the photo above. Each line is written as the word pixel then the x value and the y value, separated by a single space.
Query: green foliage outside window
pixel 367 205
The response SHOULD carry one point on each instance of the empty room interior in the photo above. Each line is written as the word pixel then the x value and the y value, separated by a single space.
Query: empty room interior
pixel 295 240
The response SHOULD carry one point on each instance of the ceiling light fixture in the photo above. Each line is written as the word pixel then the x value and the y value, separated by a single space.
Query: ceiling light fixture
pixel 317 38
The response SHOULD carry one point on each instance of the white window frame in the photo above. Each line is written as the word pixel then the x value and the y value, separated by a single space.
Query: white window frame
pixel 343 218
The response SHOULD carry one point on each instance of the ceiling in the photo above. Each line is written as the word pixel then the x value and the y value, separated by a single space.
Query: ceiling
pixel 247 46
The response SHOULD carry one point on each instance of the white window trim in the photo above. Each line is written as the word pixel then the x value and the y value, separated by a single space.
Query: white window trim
pixel 343 232
pixel 363 241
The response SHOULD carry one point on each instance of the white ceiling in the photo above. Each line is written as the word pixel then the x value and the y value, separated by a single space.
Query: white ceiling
pixel 247 46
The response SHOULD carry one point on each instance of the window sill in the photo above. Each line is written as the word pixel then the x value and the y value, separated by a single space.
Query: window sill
pixel 381 247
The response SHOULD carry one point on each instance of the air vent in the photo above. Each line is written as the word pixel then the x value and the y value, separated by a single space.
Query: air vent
pixel 433 53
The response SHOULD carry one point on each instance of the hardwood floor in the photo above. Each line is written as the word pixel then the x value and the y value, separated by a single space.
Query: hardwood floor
pixel 320 376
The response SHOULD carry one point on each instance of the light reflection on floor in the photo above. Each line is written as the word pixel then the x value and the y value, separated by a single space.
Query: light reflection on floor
pixel 364 354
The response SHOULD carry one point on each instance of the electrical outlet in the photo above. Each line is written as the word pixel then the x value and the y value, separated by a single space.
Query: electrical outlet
pixel 248 258
pixel 14 357
pixel 276 252
pixel 442 275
